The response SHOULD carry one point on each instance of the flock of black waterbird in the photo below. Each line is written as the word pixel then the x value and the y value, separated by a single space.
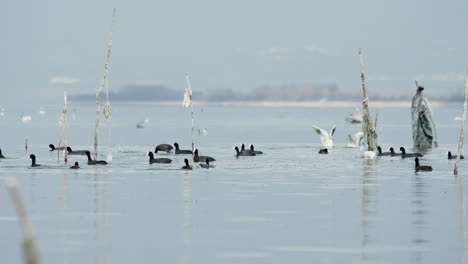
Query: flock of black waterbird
pixel 160 148
pixel 403 154
pixel 207 159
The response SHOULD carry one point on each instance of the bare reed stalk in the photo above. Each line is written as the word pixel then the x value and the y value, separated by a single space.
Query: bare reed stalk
pixel 367 126
pixel 188 102
pixel 103 81
pixel 29 242
pixel 462 131
pixel 107 116
pixel 64 126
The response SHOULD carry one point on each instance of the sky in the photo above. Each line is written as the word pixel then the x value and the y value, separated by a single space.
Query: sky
pixel 54 45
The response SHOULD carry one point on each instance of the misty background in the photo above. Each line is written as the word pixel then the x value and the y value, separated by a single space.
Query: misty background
pixel 242 47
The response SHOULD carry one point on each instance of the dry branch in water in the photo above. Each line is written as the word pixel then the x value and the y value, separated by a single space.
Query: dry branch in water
pixel 103 82
pixel 462 130
pixel 188 102
pixel 367 125
pixel 29 243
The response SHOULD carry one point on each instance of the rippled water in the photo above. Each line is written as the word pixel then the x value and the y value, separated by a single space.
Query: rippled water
pixel 288 205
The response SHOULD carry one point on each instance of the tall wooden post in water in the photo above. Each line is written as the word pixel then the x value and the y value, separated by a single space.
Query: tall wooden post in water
pixel 367 126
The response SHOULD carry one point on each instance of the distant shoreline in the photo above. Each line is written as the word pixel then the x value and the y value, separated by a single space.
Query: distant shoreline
pixel 311 104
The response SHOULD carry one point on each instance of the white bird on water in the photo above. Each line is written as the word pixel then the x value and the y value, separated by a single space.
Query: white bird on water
pixel 143 124
pixel 42 111
pixel 327 139
pixel 364 153
pixel 202 131
pixel 355 141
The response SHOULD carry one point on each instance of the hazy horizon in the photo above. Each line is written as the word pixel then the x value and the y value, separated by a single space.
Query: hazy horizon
pixel 52 46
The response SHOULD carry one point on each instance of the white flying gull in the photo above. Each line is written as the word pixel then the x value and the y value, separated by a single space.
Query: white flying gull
pixel 327 139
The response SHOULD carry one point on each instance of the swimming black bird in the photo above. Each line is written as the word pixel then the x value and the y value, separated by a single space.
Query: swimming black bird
pixel 449 155
pixel 52 147
pixel 181 151
pixel 323 151
pixel 206 165
pixel 76 152
pixel 393 154
pixel 187 166
pixel 197 158
pixel 94 162
pixel 242 147
pixel 418 167
pixel 243 153
pixel 163 147
pixel 380 153
pixel 243 150
pixel 1 155
pixel 409 155
pixel 158 160
pixel 33 161
pixel 76 166
pixel 256 152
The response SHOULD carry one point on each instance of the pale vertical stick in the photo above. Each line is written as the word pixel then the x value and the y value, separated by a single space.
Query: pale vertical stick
pixel 107 116
pixel 29 243
pixel 462 130
pixel 462 209
pixel 191 107
pixel 367 126
pixel 64 116
pixel 103 81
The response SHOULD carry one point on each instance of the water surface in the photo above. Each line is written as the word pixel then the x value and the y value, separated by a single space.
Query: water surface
pixel 288 205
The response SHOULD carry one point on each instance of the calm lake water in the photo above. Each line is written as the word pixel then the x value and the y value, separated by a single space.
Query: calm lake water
pixel 290 205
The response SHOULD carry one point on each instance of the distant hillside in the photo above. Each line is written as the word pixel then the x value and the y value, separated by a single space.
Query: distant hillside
pixel 160 93
pixel 285 93
pixel 137 93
